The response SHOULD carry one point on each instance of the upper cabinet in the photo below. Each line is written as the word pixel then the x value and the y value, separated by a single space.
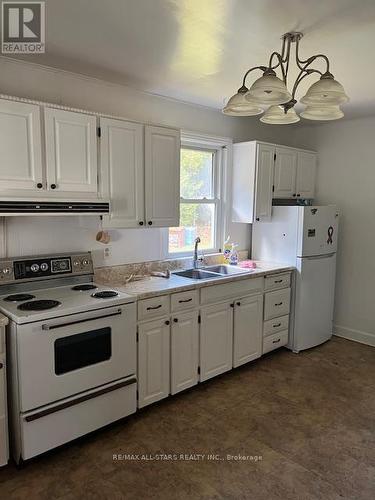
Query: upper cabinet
pixel 140 168
pixel 263 172
pixel 20 148
pixel 121 158
pixel 284 180
pixel 71 151
pixel 162 176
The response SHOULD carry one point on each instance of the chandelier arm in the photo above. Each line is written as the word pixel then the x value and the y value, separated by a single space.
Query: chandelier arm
pixel 262 68
pixel 279 63
pixel 303 73
pixel 302 63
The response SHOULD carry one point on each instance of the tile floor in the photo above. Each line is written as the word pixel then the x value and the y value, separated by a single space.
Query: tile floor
pixel 310 417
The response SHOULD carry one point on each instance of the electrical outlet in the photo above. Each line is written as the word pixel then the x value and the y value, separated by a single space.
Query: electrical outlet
pixel 107 252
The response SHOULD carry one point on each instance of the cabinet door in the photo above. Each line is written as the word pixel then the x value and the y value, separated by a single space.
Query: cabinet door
pixel 264 180
pixel 71 151
pixel 285 173
pixel 162 176
pixel 3 414
pixel 216 340
pixel 306 172
pixel 184 347
pixel 153 361
pixel 247 332
pixel 121 153
pixel 20 148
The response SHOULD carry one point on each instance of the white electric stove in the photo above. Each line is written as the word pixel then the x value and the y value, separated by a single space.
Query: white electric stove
pixel 72 351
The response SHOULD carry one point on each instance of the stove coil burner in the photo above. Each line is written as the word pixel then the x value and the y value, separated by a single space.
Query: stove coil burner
pixel 19 297
pixel 105 294
pixel 86 286
pixel 38 305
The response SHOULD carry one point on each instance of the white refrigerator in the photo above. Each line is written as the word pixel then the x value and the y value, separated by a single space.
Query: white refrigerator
pixel 305 237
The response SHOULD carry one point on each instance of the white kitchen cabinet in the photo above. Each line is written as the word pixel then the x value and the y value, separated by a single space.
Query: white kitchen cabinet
pixel 21 171
pixel 306 173
pixel 122 172
pixel 253 170
pixel 184 351
pixel 216 340
pixel 285 173
pixel 153 361
pixel 71 152
pixel 248 329
pixel 162 176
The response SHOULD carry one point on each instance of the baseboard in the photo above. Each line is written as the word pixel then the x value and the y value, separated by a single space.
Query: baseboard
pixel 356 335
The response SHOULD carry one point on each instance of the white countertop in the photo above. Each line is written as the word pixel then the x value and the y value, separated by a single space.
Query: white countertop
pixel 153 286
pixel 3 320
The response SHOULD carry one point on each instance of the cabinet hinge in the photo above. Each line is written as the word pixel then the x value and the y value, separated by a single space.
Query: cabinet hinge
pixel 273 188
pixel 274 157
pixel 199 370
pixel 137 336
pixel 99 131
pixel 199 319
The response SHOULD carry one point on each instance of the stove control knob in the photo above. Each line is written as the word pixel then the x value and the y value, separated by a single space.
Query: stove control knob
pixel 44 266
pixel 34 268
pixel 6 270
pixel 76 263
pixel 85 262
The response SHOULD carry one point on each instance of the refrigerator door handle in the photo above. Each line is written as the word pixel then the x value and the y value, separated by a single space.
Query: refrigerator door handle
pixel 322 256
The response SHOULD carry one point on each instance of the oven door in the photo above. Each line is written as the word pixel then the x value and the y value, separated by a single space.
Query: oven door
pixel 61 357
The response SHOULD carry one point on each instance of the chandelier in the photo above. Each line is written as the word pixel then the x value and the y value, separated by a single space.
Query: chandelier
pixel 322 100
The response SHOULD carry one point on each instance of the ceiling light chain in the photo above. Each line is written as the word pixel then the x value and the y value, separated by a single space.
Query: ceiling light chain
pixel 322 99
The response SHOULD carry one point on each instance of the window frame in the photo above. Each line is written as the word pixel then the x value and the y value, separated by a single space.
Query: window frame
pixel 222 148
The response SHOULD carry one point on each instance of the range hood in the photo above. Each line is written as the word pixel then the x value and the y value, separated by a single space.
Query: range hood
pixel 8 208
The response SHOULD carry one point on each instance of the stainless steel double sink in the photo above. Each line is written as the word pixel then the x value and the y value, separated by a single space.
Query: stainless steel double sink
pixel 211 272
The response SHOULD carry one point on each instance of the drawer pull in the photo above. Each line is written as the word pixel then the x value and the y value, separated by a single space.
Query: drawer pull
pixel 152 308
pixel 277 325
pixel 1 366
pixel 279 304
pixel 183 301
pixel 278 281
pixel 276 341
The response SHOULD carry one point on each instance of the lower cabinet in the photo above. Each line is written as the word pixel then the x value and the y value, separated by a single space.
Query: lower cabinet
pixel 153 361
pixel 216 340
pixel 184 351
pixel 247 332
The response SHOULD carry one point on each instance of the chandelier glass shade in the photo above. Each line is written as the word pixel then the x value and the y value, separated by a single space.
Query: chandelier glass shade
pixel 276 115
pixel 322 99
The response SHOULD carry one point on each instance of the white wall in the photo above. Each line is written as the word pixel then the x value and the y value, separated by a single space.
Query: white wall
pixel 346 176
pixel 27 236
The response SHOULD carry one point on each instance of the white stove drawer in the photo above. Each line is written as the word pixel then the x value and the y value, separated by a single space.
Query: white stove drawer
pixel 54 425
pixel 276 303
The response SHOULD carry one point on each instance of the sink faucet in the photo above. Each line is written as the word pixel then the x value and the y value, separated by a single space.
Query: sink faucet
pixel 195 257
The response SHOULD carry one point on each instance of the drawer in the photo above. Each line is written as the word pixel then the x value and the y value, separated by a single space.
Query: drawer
pixel 216 293
pixel 184 300
pixel 277 281
pixel 152 308
pixel 276 303
pixel 275 341
pixel 275 325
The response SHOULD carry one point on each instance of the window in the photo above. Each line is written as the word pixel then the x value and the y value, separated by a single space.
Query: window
pixel 201 200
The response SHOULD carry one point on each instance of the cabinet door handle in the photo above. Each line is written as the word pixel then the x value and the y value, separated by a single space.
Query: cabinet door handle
pixel 167 322
pixel 39 185
pixel 1 366
pixel 141 222
pixel 175 320
pixel 238 303
pixel 277 325
pixel 257 219
pixel 279 304
pixel 276 341
pixel 278 281
pixel 152 308
pixel 183 301
pixel 294 195
pixel 298 194
pixel 232 305
pixel 53 186
pixel 150 222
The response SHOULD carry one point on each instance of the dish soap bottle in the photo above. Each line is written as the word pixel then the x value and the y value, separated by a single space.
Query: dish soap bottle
pixel 233 259
pixel 227 251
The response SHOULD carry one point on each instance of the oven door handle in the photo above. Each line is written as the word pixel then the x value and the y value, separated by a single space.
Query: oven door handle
pixel 61 325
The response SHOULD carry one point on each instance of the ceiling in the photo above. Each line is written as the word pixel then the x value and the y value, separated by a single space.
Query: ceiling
pixel 198 50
